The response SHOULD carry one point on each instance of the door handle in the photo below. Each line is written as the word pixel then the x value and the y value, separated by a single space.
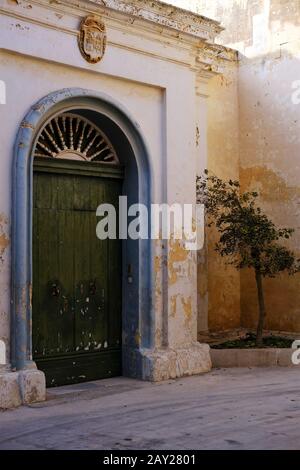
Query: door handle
pixel 92 288
pixel 55 290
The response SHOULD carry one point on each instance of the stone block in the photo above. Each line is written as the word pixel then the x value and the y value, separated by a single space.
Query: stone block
pixel 10 396
pixel 164 364
pixel 32 386
pixel 270 357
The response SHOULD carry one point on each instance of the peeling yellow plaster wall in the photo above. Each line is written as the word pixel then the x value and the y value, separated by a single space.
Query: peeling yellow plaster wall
pixel 187 308
pixel 177 256
pixel 270 147
pixel 4 259
pixel 223 160
pixel 267 35
pixel 218 284
pixel 4 241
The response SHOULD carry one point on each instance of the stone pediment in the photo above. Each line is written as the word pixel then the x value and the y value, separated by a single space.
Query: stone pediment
pixel 156 28
pixel 166 15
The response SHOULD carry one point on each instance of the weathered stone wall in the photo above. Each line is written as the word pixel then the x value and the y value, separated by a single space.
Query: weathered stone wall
pixel 267 35
pixel 218 283
pixel 223 160
pixel 157 63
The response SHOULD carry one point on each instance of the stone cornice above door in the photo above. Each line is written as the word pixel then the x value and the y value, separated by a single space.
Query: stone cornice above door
pixel 139 27
pixel 166 15
pixel 145 17
pixel 212 58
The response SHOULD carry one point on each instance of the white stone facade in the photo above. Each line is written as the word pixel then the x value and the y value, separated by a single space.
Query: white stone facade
pixel 157 63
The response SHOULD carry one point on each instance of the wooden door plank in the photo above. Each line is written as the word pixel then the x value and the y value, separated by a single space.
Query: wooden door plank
pixel 77 333
pixel 114 272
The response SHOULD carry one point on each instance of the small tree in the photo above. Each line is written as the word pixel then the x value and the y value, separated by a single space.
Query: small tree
pixel 248 238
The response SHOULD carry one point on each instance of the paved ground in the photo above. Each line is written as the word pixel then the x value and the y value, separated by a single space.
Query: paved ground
pixel 226 409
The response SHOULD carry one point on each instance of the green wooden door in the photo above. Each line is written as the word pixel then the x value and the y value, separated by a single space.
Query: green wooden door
pixel 76 277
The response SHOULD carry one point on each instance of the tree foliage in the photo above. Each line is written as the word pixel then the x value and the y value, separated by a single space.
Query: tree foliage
pixel 248 237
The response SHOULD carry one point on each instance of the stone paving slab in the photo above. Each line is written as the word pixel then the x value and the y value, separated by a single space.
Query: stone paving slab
pixel 264 357
pixel 241 408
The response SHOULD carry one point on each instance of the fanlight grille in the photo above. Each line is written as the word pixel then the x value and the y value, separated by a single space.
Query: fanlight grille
pixel 75 138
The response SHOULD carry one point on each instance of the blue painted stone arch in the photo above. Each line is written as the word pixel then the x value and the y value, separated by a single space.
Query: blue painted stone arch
pixel 137 311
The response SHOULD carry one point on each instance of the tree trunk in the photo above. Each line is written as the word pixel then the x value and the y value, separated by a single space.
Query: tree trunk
pixel 262 309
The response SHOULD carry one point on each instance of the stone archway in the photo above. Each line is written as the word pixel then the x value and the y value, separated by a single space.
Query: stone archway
pixel 137 314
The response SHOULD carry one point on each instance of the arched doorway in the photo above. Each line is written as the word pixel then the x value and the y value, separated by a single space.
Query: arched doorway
pixel 77 278
pixel 126 150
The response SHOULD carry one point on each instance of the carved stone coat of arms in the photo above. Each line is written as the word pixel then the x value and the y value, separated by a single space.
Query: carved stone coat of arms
pixel 92 39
